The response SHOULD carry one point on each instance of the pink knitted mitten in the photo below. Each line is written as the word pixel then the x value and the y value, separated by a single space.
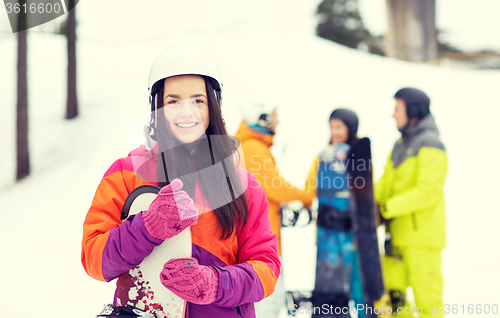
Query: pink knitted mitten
pixel 170 212
pixel 190 281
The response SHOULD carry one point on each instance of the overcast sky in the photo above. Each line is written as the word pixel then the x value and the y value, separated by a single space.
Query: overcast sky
pixel 470 25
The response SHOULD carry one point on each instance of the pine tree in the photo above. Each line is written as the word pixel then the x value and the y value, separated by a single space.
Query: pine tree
pixel 340 21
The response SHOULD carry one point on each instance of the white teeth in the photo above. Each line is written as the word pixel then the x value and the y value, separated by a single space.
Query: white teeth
pixel 186 125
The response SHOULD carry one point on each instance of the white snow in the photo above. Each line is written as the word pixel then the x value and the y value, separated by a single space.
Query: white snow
pixel 263 53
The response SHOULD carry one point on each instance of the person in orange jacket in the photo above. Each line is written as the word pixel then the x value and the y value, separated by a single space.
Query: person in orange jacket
pixel 256 133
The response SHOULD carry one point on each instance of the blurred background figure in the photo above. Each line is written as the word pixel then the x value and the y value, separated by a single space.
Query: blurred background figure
pixel 337 270
pixel 411 199
pixel 256 133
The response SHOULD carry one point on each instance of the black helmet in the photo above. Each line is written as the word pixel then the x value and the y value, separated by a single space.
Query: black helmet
pixel 417 102
pixel 350 119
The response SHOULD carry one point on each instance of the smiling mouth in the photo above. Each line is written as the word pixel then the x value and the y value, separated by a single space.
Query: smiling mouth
pixel 186 125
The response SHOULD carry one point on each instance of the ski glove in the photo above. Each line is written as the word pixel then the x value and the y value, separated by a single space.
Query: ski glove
pixel 190 281
pixel 170 212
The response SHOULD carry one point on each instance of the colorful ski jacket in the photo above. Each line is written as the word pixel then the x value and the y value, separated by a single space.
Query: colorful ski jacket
pixel 247 263
pixel 411 190
pixel 260 162
pixel 327 180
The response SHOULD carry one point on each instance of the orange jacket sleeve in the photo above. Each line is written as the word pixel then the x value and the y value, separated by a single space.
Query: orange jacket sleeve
pixel 104 214
pixel 261 163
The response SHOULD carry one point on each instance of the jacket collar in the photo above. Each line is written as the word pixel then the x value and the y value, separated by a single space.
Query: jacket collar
pixel 427 123
pixel 245 133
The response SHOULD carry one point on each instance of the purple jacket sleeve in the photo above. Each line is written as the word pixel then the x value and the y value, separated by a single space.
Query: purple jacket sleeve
pixel 238 285
pixel 126 247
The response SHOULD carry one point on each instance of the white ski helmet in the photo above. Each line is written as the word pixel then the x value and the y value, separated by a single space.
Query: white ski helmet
pixel 258 113
pixel 184 60
pixel 181 60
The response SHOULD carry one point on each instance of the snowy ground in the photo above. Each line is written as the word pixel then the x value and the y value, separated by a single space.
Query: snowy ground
pixel 42 216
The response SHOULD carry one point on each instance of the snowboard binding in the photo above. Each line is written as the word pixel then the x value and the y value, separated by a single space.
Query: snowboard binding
pixel 128 311
pixel 397 299
pixel 296 300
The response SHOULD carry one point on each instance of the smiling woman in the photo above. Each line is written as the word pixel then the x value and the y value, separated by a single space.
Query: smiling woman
pixel 186 107
pixel 234 259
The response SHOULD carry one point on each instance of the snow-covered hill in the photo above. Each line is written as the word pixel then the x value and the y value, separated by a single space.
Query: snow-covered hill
pixel 42 216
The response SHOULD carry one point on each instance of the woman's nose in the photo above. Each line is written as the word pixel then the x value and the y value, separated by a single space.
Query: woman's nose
pixel 188 107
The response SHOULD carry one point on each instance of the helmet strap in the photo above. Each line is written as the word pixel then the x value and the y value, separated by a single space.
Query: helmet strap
pixel 152 123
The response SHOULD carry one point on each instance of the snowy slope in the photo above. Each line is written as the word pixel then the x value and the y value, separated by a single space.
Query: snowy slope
pixel 42 216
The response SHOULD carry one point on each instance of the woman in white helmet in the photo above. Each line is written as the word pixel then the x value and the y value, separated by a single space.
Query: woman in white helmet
pixel 234 259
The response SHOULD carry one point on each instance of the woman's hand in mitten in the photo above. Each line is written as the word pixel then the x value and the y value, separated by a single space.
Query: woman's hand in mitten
pixel 190 281
pixel 170 212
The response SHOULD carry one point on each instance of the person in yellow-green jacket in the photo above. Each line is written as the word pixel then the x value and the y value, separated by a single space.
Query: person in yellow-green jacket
pixel 411 199
pixel 256 133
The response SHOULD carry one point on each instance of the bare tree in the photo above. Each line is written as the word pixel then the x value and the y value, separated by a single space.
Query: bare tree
pixel 412 32
pixel 72 104
pixel 23 161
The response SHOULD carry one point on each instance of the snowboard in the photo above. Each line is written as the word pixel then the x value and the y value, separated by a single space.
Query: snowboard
pixel 359 174
pixel 336 261
pixel 159 299
pixel 337 278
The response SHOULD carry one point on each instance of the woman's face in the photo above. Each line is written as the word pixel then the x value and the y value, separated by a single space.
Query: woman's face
pixel 274 121
pixel 339 131
pixel 186 107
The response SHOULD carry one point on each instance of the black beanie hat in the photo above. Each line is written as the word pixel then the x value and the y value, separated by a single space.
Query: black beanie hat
pixel 417 102
pixel 350 119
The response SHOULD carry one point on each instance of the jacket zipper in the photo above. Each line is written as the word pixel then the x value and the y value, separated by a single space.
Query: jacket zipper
pixel 414 222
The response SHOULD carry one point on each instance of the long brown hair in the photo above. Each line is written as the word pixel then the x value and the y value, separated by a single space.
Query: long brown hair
pixel 175 161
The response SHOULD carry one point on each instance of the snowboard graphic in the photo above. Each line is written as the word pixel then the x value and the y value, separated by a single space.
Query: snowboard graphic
pixel 337 277
pixel 363 214
pixel 337 269
pixel 151 294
